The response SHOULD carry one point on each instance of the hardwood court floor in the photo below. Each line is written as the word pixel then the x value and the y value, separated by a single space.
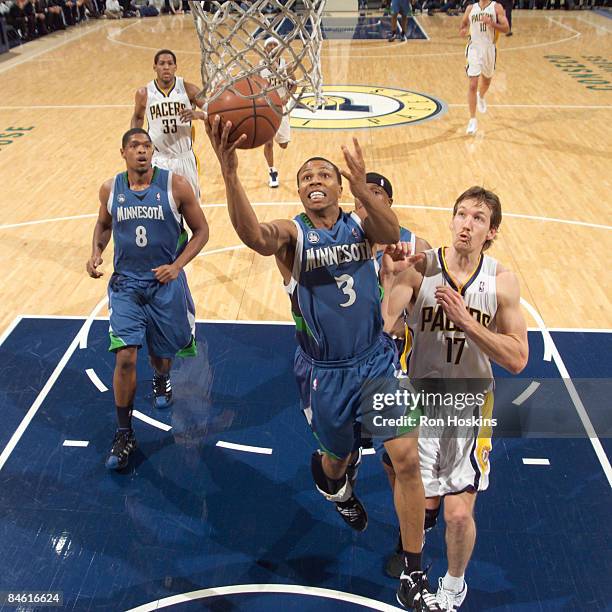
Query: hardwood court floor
pixel 544 147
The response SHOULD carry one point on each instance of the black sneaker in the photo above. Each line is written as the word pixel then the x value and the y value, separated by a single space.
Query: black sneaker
pixel 413 593
pixel 392 37
pixel 353 513
pixel 162 391
pixel 124 443
pixel 395 562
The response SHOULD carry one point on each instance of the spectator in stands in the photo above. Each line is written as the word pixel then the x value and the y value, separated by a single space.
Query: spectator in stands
pixel 21 16
pixel 113 9
pixel 52 13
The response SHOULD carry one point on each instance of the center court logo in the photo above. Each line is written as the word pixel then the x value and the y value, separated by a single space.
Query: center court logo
pixel 353 107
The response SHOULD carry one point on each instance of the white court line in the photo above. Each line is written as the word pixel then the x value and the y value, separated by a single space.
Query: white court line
pixel 261 450
pixel 78 443
pixel 454 105
pixel 8 449
pixel 557 106
pixel 526 394
pixel 403 206
pixel 96 381
pixel 222 250
pixel 593 25
pixel 588 330
pixel 150 421
pixel 11 327
pixel 292 589
pixel 69 37
pixel 87 327
pixel 571 389
pixel 528 461
pixel 422 28
pixel 562 25
pixel 548 341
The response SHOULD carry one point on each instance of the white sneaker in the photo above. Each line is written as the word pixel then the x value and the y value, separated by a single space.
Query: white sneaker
pixel 449 600
pixel 273 182
pixel 481 103
pixel 472 126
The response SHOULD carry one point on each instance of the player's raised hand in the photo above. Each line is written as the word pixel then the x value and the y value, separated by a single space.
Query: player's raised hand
pixel 219 138
pixel 92 266
pixel 452 304
pixel 355 173
pixel 397 258
pixel 189 114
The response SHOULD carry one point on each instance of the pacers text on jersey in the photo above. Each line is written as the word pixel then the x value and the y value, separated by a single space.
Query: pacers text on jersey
pixel 337 254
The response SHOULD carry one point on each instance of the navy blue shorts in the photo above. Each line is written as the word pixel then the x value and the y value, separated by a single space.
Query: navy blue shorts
pixel 337 398
pixel 401 6
pixel 142 311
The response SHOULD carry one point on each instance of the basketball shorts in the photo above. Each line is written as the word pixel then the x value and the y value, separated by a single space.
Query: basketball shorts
pixel 185 164
pixel 283 134
pixel 456 459
pixel 401 6
pixel 342 399
pixel 480 60
pixel 142 311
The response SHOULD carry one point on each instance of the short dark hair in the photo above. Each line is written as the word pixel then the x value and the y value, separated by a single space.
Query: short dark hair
pixel 484 196
pixel 132 132
pixel 164 52
pixel 336 169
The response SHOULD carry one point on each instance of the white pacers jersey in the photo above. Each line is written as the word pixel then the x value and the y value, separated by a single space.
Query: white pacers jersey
pixel 480 33
pixel 169 134
pixel 439 348
pixel 274 80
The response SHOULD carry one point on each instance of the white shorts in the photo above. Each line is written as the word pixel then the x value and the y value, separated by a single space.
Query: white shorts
pixel 184 164
pixel 456 463
pixel 480 60
pixel 283 135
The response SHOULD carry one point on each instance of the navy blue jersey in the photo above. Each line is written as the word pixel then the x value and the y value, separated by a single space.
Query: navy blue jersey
pixel 147 227
pixel 335 296
pixel 405 236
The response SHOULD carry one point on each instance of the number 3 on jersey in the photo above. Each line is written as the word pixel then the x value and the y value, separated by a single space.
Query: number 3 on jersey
pixel 141 236
pixel 345 284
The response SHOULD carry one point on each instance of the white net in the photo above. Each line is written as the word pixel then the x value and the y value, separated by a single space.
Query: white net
pixel 233 39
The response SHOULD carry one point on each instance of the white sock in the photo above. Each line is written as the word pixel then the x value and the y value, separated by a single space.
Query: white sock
pixel 450 583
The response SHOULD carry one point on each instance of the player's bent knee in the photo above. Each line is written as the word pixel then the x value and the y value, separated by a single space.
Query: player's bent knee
pixel 126 357
pixel 458 517
pixel 406 465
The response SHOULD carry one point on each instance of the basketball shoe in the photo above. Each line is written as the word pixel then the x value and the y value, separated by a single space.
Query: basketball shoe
pixel 450 600
pixel 472 126
pixel 414 593
pixel 353 513
pixel 124 443
pixel 162 391
pixel 273 181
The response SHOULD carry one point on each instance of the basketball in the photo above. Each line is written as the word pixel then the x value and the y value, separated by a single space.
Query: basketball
pixel 253 117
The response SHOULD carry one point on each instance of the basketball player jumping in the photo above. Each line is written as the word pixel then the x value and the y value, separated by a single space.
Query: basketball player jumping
pixel 464 310
pixel 148 296
pixel 485 19
pixel 161 102
pixel 325 260
pixel 283 134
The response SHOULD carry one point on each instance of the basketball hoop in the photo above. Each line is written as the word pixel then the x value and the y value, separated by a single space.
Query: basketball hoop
pixel 232 42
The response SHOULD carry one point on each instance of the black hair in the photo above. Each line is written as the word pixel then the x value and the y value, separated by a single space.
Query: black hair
pixel 336 169
pixel 132 132
pixel 164 52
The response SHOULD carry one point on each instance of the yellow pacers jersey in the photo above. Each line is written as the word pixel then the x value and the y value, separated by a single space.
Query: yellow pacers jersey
pixel 480 32
pixel 168 133
pixel 439 348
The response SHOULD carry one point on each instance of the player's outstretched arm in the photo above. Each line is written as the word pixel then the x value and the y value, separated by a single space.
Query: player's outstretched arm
pixel 381 224
pixel 265 238
pixel 140 108
pixel 400 274
pixel 189 207
pixel 507 346
pixel 102 232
